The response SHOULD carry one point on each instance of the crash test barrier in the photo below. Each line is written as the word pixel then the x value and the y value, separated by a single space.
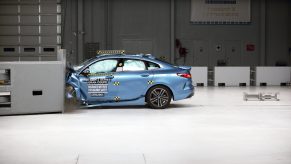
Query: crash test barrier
pixel 32 86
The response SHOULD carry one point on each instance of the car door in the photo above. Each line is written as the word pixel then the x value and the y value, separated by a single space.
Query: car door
pixel 96 81
pixel 132 79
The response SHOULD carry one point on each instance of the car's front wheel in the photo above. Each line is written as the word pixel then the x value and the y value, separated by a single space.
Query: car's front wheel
pixel 159 97
pixel 71 97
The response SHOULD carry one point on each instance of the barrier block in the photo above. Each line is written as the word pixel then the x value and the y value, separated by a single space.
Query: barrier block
pixel 273 76
pixel 199 76
pixel 232 76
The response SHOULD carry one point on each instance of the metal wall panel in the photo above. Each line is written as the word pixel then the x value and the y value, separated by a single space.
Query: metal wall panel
pixel 8 1
pixel 9 58
pixel 29 1
pixel 145 24
pixel 50 30
pixel 8 9
pixel 29 40
pixel 201 52
pixel 133 46
pixel 29 58
pixel 8 30
pixel 49 40
pixel 9 40
pixel 7 20
pixel 29 28
pixel 51 1
pixel 49 9
pixel 50 19
pixel 29 20
pixel 49 58
pixel 106 22
pixel 233 53
pixel 29 9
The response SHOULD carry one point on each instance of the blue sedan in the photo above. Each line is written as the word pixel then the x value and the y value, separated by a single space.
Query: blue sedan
pixel 119 79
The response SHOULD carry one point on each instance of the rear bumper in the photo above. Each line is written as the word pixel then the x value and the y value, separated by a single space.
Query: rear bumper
pixel 184 94
pixel 192 94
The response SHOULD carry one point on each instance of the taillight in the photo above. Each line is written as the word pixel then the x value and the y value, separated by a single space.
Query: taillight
pixel 185 75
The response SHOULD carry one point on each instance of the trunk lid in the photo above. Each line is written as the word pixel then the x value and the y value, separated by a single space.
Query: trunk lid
pixel 188 68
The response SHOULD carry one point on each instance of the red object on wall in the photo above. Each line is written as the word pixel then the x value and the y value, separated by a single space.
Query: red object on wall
pixel 250 47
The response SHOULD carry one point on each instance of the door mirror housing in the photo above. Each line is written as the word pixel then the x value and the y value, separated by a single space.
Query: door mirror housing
pixel 85 72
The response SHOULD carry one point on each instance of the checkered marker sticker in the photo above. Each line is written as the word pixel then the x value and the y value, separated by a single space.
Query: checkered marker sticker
pixel 150 82
pixel 116 98
pixel 116 83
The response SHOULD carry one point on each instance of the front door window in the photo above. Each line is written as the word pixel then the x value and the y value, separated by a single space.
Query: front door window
pixel 103 66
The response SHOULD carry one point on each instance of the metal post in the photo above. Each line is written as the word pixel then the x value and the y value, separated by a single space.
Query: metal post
pixel 108 25
pixel 172 35
pixel 80 32
pixel 263 33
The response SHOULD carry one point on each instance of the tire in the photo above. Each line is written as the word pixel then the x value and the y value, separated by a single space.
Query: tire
pixel 73 101
pixel 158 97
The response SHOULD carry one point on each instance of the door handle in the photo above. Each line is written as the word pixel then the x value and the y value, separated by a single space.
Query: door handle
pixel 84 79
pixel 109 77
pixel 145 75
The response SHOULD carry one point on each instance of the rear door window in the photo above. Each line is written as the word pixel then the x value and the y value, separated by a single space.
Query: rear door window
pixel 133 65
pixel 152 66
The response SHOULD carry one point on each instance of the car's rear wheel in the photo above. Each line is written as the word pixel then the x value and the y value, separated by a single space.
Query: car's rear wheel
pixel 159 97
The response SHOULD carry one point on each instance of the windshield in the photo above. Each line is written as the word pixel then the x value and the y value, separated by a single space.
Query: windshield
pixel 77 67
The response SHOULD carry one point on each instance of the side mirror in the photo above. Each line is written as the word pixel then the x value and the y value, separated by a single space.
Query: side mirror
pixel 85 72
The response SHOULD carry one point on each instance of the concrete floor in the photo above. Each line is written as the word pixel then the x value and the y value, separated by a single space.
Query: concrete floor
pixel 214 127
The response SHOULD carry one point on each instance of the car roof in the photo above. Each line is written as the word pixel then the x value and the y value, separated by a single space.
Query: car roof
pixel 137 56
pixel 146 57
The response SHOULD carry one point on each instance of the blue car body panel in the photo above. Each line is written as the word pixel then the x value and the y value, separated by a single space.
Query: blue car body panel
pixel 118 88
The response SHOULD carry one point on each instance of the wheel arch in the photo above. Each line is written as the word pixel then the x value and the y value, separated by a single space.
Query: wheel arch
pixel 76 88
pixel 163 86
